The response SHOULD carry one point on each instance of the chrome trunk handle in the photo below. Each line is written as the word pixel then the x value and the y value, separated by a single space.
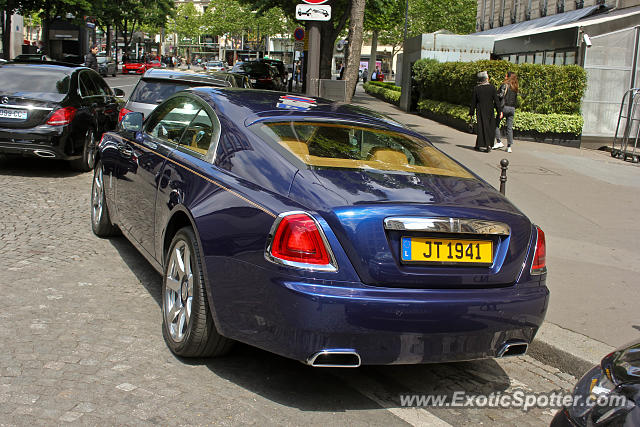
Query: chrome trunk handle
pixel 447 225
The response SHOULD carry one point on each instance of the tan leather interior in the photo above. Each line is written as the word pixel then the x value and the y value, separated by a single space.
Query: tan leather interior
pixel 389 156
pixel 381 159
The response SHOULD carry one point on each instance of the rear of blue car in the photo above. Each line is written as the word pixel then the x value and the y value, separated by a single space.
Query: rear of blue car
pixel 399 255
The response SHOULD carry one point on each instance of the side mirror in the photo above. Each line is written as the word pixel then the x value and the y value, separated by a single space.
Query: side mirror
pixel 118 92
pixel 131 122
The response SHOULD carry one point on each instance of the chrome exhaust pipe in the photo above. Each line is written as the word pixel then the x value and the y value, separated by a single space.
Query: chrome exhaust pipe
pixel 44 153
pixel 516 348
pixel 334 358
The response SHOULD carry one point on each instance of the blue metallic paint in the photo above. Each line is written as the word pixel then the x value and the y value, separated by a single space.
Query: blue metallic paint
pixel 372 303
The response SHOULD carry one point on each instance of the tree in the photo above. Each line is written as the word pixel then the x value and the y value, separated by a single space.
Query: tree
pixel 379 16
pixel 188 23
pixel 329 30
pixel 457 16
pixel 356 18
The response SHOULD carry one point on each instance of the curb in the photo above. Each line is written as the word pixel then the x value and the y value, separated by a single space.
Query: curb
pixel 566 350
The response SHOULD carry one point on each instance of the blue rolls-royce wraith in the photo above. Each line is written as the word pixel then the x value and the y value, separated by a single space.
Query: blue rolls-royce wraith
pixel 319 231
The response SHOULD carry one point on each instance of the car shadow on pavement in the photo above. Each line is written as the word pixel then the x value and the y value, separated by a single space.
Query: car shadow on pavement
pixel 140 267
pixel 293 384
pixel 35 167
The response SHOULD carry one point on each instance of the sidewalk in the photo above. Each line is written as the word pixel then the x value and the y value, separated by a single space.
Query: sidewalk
pixel 587 204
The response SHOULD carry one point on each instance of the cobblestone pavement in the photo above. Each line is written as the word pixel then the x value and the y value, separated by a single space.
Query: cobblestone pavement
pixel 81 328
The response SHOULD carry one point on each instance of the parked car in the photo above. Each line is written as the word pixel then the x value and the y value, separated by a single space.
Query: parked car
pixel 214 66
pixel 55 111
pixel 137 66
pixel 37 57
pixel 607 395
pixel 106 66
pixel 260 74
pixel 156 85
pixel 319 231
pixel 234 79
pixel 279 66
pixel 154 63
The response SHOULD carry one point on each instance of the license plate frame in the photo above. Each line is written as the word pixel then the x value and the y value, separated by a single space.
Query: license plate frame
pixel 445 251
pixel 4 114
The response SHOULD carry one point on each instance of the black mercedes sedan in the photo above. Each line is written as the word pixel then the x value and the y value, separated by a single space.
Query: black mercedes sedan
pixel 55 110
pixel 261 75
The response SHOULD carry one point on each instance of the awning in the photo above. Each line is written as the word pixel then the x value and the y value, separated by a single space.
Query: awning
pixel 545 22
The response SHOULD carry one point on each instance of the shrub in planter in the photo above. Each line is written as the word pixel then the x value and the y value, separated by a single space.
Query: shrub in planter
pixel 544 89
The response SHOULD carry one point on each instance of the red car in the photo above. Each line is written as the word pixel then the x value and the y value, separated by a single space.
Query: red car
pixel 137 66
pixel 153 64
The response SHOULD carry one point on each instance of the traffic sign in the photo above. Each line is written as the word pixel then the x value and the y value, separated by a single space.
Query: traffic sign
pixel 298 45
pixel 298 33
pixel 305 12
pixel 315 1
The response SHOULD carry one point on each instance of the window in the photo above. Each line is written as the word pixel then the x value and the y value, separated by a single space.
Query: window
pixel 548 57
pixel 27 78
pixel 170 120
pixel 337 145
pixel 87 87
pixel 539 57
pixel 197 136
pixel 570 58
pixel 559 58
pixel 98 82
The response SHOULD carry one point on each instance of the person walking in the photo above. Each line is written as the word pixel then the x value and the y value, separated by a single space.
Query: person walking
pixel 365 73
pixel 90 59
pixel 508 94
pixel 483 103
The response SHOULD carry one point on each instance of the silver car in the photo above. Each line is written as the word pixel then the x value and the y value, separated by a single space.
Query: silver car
pixel 156 85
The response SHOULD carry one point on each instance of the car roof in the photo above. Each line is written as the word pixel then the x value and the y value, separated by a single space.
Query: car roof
pixel 50 65
pixel 172 75
pixel 254 105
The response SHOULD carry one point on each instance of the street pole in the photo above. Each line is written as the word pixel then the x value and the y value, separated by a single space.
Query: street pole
pixel 313 60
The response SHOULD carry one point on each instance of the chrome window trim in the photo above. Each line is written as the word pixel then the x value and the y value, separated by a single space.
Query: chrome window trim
pixel 331 267
pixel 25 107
pixel 447 225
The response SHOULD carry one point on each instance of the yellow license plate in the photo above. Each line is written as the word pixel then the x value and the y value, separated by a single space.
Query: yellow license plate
pixel 454 251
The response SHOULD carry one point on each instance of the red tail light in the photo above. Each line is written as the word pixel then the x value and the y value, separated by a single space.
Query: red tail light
pixel 123 111
pixel 265 79
pixel 539 265
pixel 297 239
pixel 63 116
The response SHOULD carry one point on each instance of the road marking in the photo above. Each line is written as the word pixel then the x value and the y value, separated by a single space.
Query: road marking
pixel 376 392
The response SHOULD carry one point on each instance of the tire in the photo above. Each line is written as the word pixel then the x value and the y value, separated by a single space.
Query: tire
pixel 100 219
pixel 89 148
pixel 187 324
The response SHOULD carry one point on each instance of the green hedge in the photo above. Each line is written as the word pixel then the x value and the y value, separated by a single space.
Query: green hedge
pixel 544 89
pixel 387 85
pixel 523 121
pixel 379 91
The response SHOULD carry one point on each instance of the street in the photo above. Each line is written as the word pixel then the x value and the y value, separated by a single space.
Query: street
pixel 83 339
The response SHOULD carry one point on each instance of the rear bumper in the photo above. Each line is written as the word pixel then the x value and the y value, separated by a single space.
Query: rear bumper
pixel 40 141
pixel 296 318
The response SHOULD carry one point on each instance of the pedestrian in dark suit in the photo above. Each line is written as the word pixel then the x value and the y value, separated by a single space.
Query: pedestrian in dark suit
pixel 90 59
pixel 485 104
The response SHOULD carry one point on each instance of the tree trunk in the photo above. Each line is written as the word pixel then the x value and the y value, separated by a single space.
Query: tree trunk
pixel 328 36
pixel 374 51
pixel 6 31
pixel 108 39
pixel 356 21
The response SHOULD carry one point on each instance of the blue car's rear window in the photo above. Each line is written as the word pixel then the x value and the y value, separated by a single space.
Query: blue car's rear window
pixel 339 145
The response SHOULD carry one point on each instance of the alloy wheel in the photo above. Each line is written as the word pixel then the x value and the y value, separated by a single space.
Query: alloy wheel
pixel 178 295
pixel 97 197
pixel 90 141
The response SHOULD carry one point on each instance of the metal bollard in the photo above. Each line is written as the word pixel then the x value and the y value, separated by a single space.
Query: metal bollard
pixel 504 164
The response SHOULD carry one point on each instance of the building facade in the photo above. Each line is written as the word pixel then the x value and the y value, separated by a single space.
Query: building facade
pixel 498 13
